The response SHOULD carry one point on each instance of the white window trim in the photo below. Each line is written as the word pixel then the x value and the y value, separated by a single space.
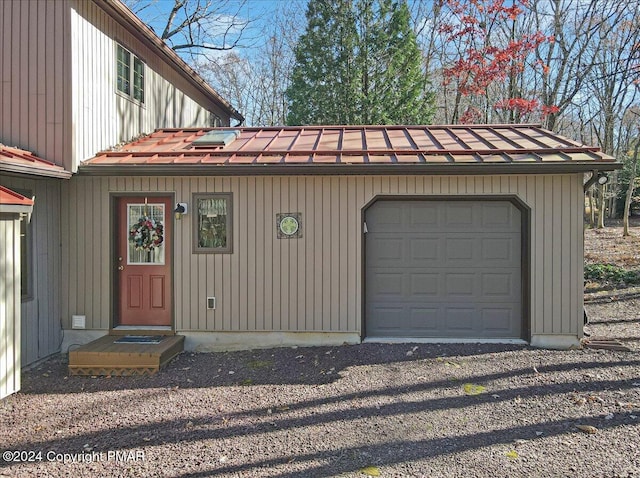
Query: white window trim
pixel 132 60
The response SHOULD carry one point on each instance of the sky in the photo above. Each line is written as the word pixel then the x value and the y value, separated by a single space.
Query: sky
pixel 257 13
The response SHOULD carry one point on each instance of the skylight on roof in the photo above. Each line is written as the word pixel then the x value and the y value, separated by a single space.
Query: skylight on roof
pixel 216 138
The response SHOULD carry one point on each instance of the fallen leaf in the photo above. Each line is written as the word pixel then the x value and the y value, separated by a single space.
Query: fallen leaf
pixel 512 454
pixel 472 389
pixel 587 429
pixel 370 471
pixel 452 364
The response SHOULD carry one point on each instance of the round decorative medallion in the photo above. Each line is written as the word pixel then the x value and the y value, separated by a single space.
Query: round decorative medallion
pixel 289 225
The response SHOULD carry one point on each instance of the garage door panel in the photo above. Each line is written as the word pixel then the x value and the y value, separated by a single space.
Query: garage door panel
pixel 499 285
pixel 388 284
pixel 499 217
pixel 458 249
pixel 459 285
pixel 388 217
pixel 498 249
pixel 459 216
pixel 424 285
pixel 459 319
pixel 387 321
pixel 426 320
pixel 425 249
pixel 498 320
pixel 423 215
pixel 444 269
pixel 387 248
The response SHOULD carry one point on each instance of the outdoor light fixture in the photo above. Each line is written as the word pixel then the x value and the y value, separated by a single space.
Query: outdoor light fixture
pixel 180 210
pixel 597 176
pixel 602 178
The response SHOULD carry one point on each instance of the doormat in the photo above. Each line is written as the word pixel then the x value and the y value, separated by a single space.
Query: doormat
pixel 140 339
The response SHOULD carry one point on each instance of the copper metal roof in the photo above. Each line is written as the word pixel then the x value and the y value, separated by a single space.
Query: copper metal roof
pixel 15 160
pixel 474 149
pixel 12 198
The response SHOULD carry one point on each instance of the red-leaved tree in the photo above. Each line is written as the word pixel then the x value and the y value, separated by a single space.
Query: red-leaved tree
pixel 492 54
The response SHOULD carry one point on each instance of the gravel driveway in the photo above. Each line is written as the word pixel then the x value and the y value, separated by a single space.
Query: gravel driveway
pixel 396 410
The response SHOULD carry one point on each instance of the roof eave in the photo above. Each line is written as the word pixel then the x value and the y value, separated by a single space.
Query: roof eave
pixel 15 209
pixel 35 171
pixel 342 169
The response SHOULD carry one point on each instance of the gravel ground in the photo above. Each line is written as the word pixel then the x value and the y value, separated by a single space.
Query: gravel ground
pixel 410 410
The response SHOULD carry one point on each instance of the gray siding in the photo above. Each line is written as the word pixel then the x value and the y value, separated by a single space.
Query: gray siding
pixel 313 283
pixel 9 304
pixel 102 117
pixel 57 83
pixel 35 89
pixel 41 328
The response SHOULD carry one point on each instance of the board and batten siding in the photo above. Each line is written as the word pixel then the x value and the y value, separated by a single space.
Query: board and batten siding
pixel 41 311
pixel 103 117
pixel 35 86
pixel 9 304
pixel 314 283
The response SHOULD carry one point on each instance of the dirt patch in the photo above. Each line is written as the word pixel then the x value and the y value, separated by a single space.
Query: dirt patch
pixel 609 246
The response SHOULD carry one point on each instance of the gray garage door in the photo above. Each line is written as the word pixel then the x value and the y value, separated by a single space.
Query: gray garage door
pixel 446 269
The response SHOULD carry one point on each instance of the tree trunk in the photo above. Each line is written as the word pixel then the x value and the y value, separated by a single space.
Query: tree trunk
pixel 632 180
pixel 603 205
pixel 592 211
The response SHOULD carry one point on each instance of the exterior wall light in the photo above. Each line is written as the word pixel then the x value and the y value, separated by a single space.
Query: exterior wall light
pixel 180 210
pixel 602 178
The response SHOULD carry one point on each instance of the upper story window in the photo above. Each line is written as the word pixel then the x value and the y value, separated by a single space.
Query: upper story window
pixel 130 74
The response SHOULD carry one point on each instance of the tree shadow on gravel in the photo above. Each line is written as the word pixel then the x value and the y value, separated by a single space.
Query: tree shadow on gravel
pixel 310 413
pixel 277 366
pixel 280 366
pixel 395 452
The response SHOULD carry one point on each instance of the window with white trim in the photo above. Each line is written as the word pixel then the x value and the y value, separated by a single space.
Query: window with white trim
pixel 129 74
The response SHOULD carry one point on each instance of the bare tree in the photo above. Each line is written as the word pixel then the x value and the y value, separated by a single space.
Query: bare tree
pixel 255 80
pixel 195 27
pixel 632 182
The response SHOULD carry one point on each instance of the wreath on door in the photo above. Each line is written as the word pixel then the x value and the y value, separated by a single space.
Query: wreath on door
pixel 146 234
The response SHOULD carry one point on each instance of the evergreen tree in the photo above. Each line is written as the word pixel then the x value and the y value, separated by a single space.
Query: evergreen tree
pixel 359 63
pixel 324 76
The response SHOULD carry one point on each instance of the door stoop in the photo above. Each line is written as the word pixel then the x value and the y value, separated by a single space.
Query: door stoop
pixel 106 358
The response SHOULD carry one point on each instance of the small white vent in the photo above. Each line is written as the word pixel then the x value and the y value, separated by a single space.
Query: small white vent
pixel 211 302
pixel 78 321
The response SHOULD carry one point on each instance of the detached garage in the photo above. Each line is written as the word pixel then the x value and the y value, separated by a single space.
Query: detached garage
pixel 326 235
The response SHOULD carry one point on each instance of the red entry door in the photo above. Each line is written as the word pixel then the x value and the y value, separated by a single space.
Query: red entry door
pixel 143 260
